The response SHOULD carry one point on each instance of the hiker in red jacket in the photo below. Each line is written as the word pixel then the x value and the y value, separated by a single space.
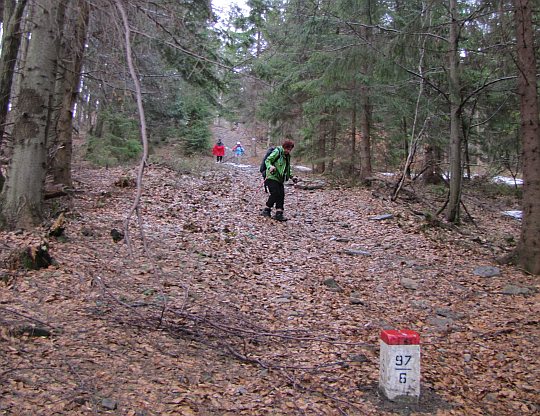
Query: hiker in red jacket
pixel 219 151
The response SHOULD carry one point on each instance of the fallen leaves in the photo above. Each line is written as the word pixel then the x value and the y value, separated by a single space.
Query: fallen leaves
pixel 230 313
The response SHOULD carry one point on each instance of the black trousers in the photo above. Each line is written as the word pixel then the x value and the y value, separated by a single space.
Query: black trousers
pixel 219 158
pixel 277 193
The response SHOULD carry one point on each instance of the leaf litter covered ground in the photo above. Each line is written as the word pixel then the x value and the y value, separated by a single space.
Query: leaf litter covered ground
pixel 229 313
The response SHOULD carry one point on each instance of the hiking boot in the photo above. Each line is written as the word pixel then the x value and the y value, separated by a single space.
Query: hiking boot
pixel 278 216
pixel 267 212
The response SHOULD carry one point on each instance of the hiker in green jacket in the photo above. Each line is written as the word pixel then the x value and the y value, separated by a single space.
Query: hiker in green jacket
pixel 278 170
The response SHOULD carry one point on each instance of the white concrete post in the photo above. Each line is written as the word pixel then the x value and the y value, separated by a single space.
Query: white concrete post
pixel 399 365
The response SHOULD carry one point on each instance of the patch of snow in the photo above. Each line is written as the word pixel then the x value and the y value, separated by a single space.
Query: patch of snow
pixel 508 181
pixel 387 174
pixel 237 165
pixel 302 168
pixel 514 214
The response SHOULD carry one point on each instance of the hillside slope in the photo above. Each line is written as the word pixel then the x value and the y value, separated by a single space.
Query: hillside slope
pixel 228 313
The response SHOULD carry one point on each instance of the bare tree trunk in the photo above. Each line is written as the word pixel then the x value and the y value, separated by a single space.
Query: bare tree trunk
pixel 333 145
pixel 528 248
pixel 321 149
pixel 21 200
pixel 365 129
pixel 134 209
pixel 431 172
pixel 69 84
pixel 11 41
pixel 353 138
pixel 366 110
pixel 406 149
pixel 456 176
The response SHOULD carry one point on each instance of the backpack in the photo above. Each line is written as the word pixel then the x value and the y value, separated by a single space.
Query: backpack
pixel 262 168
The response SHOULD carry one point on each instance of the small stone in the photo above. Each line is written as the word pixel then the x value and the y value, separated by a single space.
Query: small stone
pixel 448 313
pixel 421 304
pixel 358 358
pixel 282 299
pixel 487 271
pixel 381 217
pixel 442 323
pixel 332 285
pixel 467 358
pixel 490 397
pixel 409 283
pixel 516 290
pixel 109 404
pixel 356 301
pixel 352 252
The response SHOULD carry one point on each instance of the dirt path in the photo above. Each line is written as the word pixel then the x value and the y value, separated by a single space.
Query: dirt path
pixel 230 135
pixel 230 313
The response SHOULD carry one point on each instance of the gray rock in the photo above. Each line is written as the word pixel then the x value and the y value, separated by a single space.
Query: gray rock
pixel 448 313
pixel 487 271
pixel 421 304
pixel 332 285
pixel 409 283
pixel 516 290
pixel 358 358
pixel 382 217
pixel 109 404
pixel 352 252
pixel 491 397
pixel 441 322
pixel 356 301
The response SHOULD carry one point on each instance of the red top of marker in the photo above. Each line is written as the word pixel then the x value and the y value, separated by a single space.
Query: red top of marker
pixel 400 337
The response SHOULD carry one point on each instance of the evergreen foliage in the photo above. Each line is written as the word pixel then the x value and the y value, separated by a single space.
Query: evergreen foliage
pixel 119 143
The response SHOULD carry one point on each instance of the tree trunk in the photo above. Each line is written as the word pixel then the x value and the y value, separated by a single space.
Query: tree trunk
pixel 333 145
pixel 365 131
pixel 21 200
pixel 69 84
pixel 353 138
pixel 320 166
pixel 430 172
pixel 11 41
pixel 528 248
pixel 452 213
pixel 366 110
pixel 406 149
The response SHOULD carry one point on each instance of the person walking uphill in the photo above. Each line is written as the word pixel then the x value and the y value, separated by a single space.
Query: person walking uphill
pixel 278 170
pixel 219 151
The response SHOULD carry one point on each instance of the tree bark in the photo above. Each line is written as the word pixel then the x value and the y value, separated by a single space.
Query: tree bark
pixel 21 200
pixel 11 41
pixel 353 138
pixel 333 144
pixel 452 212
pixel 320 166
pixel 365 131
pixel 72 57
pixel 366 109
pixel 528 248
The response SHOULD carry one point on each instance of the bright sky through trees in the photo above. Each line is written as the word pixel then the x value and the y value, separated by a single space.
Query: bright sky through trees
pixel 223 6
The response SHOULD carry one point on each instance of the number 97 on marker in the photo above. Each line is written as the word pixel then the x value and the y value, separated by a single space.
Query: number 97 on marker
pixel 399 367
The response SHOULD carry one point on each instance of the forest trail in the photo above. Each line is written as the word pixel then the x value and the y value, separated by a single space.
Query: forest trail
pixel 230 313
pixel 230 135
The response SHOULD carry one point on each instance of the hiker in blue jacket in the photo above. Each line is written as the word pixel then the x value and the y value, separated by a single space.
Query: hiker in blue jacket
pixel 278 170
pixel 238 150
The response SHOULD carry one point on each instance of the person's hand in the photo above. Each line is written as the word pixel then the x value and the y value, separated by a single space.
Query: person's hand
pixel 272 169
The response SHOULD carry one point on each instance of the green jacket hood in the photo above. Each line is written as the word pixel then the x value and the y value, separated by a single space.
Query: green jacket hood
pixel 282 162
